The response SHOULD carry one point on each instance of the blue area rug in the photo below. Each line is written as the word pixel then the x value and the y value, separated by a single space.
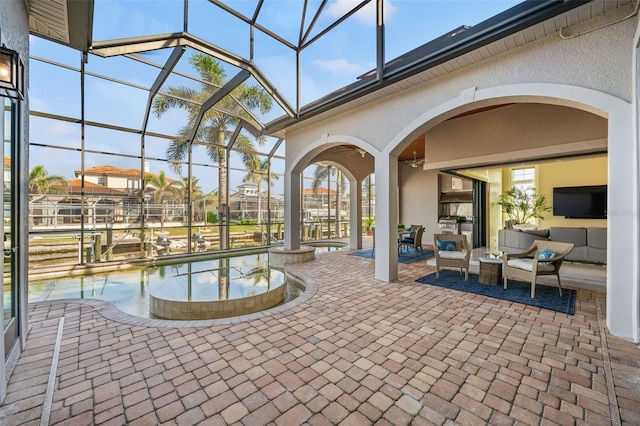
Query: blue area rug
pixel 517 291
pixel 404 257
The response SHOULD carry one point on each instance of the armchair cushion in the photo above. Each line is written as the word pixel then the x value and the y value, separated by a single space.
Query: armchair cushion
pixel 446 245
pixel 456 255
pixel 527 265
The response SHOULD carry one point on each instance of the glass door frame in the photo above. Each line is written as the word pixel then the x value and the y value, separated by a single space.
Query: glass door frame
pixel 11 137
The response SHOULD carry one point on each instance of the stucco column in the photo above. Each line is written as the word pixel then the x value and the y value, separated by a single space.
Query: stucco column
pixel 386 234
pixel 355 214
pixel 622 233
pixel 292 210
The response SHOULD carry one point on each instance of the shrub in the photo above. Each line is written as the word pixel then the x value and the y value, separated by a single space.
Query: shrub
pixel 212 217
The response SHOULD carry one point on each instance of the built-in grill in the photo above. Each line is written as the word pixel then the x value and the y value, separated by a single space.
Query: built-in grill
pixel 449 224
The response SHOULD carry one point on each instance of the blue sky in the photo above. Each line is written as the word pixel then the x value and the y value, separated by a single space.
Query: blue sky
pixel 334 61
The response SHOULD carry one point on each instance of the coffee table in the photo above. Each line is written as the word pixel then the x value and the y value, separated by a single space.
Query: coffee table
pixel 490 271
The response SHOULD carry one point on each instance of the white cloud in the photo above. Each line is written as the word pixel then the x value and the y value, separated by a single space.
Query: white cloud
pixel 366 15
pixel 63 129
pixel 339 66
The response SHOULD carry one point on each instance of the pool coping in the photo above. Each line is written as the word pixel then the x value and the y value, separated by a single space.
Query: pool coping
pixel 109 311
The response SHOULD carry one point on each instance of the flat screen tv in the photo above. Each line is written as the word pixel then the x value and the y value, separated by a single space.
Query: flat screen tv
pixel 580 202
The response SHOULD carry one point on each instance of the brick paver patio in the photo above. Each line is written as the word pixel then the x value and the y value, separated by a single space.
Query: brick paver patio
pixel 352 350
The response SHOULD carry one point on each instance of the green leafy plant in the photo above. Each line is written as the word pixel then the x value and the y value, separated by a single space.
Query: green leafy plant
pixel 212 217
pixel 401 226
pixel 367 224
pixel 522 205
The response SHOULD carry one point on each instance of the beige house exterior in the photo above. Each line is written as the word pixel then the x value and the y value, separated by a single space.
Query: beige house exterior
pixel 561 94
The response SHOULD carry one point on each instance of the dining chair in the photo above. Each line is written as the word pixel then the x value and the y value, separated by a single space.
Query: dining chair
pixel 414 241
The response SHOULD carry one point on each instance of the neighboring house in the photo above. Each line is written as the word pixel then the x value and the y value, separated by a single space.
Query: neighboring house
pixel 102 205
pixel 315 204
pixel 243 204
pixel 125 180
pixel 111 195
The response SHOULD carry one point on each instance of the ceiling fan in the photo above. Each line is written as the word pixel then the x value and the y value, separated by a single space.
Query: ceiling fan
pixel 415 162
pixel 360 151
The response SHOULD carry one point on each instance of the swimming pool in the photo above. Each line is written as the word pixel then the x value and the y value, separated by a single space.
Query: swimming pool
pixel 226 278
pixel 206 279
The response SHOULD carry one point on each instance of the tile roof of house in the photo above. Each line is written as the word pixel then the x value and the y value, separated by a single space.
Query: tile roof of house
pixel 74 186
pixel 106 170
pixel 319 191
pixel 109 170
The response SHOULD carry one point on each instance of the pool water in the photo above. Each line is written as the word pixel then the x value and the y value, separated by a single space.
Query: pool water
pixel 326 247
pixel 211 279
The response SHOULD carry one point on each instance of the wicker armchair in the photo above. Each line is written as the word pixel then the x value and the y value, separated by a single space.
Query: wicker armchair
pixel 445 257
pixel 527 265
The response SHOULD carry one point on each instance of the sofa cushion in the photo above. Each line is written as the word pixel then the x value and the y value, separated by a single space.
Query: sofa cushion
pixel 578 254
pixel 544 233
pixel 577 236
pixel 597 238
pixel 596 255
pixel 518 240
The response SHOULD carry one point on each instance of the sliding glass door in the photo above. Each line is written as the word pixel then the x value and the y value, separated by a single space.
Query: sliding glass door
pixel 9 127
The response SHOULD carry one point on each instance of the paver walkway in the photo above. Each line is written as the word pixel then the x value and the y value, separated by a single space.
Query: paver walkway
pixel 353 351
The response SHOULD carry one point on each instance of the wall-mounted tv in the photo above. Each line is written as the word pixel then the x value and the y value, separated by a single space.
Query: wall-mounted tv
pixel 580 202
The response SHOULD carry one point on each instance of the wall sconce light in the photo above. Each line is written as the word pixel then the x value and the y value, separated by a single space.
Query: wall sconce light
pixel 11 74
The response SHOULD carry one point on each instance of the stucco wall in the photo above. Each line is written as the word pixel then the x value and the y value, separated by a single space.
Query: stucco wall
pixel 593 72
pixel 418 199
pixel 511 129
pixel 592 171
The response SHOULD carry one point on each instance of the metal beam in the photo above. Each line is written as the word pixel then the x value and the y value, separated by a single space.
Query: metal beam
pixel 252 22
pixel 275 148
pixel 124 46
pixel 234 136
pixel 313 22
pixel 160 79
pixel 336 23
pixel 380 43
pixel 271 89
pixel 217 97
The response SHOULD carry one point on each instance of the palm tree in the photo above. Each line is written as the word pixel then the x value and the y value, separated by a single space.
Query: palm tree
pixel 321 174
pixel 217 124
pixel 196 192
pixel 368 192
pixel 257 176
pixel 40 182
pixel 159 185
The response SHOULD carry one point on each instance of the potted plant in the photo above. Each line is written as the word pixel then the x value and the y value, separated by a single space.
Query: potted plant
pixel 400 226
pixel 523 205
pixel 368 224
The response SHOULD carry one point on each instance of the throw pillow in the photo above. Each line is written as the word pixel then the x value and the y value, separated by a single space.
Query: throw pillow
pixel 546 254
pixel 446 245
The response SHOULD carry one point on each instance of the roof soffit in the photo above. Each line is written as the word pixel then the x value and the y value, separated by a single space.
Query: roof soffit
pixel 64 21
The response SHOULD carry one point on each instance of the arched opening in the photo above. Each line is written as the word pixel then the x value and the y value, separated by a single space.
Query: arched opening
pixel 596 136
